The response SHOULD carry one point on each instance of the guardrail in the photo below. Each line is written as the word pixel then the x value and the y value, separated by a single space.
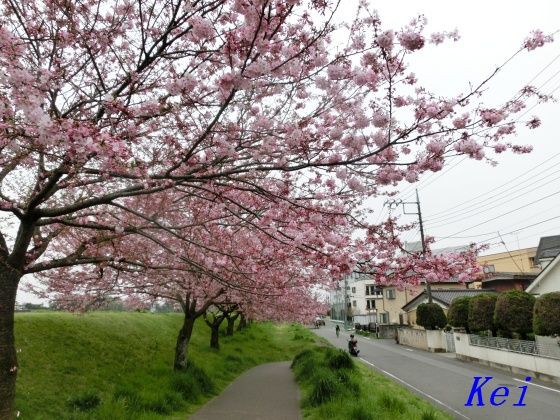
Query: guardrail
pixel 518 346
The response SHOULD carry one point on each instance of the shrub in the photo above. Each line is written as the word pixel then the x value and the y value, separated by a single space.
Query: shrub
pixel 546 318
pixel 458 313
pixel 301 356
pixel 86 401
pixel 338 359
pixel 304 364
pixel 430 316
pixel 514 312
pixel 481 312
pixel 325 387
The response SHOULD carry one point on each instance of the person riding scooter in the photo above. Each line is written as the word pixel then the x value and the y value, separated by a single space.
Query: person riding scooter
pixel 353 346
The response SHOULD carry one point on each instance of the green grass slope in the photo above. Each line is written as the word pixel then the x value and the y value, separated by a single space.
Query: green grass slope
pixel 335 387
pixel 107 365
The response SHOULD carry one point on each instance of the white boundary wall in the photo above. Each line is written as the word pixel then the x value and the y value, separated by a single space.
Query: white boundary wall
pixel 423 339
pixel 544 368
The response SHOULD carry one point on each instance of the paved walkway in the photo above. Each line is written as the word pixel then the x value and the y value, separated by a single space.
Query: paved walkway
pixel 265 392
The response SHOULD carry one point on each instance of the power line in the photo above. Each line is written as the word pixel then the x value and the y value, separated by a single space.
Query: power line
pixel 500 186
pixel 461 216
pixel 504 214
pixel 509 253
pixel 506 233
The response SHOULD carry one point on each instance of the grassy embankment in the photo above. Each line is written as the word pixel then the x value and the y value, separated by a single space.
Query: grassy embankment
pixel 119 365
pixel 334 387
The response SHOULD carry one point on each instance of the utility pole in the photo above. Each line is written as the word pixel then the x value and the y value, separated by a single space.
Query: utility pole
pixel 428 285
pixel 395 203
pixel 345 302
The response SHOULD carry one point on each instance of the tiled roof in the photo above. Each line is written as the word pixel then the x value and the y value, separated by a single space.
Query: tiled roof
pixel 509 276
pixel 549 247
pixel 445 296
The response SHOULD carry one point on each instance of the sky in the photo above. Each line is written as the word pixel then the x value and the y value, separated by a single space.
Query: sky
pixel 471 201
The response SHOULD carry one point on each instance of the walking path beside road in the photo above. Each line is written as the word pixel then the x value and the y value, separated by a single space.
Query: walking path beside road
pixel 265 392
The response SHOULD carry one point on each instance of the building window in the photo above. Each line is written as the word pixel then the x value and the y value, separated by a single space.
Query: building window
pixel 390 293
pixel 353 290
pixel 354 304
pixel 371 290
pixel 383 318
pixel 489 268
pixel 349 305
pixel 370 304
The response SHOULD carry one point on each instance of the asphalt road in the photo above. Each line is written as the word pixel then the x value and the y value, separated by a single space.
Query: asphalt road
pixel 446 382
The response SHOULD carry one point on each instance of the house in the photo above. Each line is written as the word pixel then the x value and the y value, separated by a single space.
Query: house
pixel 514 261
pixel 368 302
pixel 443 297
pixel 501 281
pixel 548 280
pixel 362 297
pixel 548 249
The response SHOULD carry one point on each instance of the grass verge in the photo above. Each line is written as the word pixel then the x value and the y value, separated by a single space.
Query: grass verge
pixel 335 387
pixel 105 365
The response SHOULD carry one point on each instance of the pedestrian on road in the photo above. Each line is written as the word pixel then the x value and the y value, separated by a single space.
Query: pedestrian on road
pixel 337 330
pixel 353 346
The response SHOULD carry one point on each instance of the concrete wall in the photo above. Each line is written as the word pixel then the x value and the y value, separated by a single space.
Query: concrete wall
pixel 387 331
pixel 525 364
pixel 413 338
pixel 436 341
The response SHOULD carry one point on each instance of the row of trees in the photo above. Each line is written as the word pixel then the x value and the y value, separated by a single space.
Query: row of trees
pixel 217 152
pixel 508 314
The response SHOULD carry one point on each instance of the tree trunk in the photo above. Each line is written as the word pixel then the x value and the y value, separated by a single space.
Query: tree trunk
pixel 181 349
pixel 231 324
pixel 242 323
pixel 214 337
pixel 9 279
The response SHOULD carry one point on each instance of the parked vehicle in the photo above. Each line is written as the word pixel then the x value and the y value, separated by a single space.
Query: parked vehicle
pixel 319 321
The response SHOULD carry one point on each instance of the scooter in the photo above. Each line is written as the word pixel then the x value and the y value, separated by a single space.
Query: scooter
pixel 353 347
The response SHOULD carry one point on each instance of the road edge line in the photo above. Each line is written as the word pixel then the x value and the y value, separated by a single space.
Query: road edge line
pixel 415 389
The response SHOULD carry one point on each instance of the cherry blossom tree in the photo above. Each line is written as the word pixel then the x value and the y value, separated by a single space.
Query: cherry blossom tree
pixel 103 101
pixel 251 263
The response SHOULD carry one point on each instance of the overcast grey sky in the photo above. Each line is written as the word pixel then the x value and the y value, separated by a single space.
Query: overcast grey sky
pixel 468 200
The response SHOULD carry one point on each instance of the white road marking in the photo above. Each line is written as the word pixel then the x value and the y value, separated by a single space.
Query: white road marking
pixel 409 350
pixel 540 386
pixel 416 389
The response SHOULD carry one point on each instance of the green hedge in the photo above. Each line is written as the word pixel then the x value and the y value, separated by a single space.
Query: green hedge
pixel 546 315
pixel 458 313
pixel 514 313
pixel 430 316
pixel 481 312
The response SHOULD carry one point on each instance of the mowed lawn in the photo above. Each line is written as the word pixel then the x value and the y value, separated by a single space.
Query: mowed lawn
pixel 115 365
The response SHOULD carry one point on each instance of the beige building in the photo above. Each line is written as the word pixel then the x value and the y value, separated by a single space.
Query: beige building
pixel 515 261
pixel 367 302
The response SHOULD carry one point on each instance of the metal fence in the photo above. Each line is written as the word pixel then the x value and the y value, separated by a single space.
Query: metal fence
pixel 518 346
